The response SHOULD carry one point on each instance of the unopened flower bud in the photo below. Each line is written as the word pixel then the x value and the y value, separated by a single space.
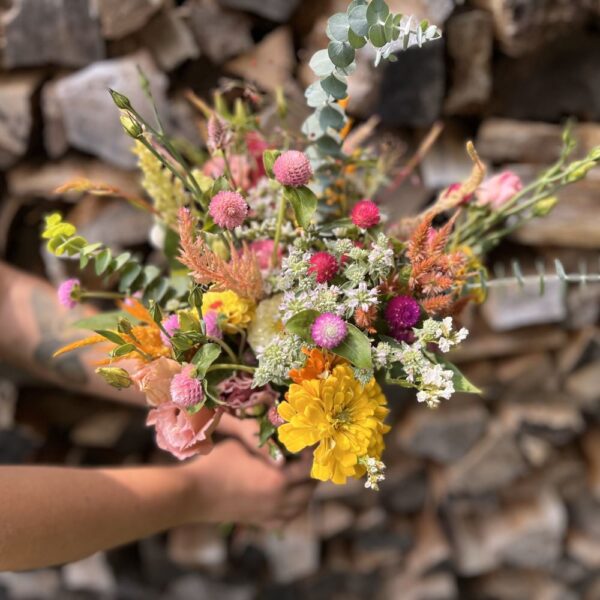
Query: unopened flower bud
pixel 545 206
pixel 115 376
pixel 124 326
pixel 120 100
pixel 131 127
pixel 217 133
pixel 581 171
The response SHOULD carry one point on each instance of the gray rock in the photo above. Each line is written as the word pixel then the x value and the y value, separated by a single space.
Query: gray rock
pixel 80 106
pixel 412 90
pixel 170 40
pixel 122 17
pixel 198 546
pixel 8 403
pixel 61 32
pixel 511 306
pixel 470 44
pixel 15 115
pixel 437 586
pixel 91 574
pixel 213 29
pixel 491 464
pixel 443 435
pixel 279 11
pixel 41 585
pixel 585 383
pixel 197 586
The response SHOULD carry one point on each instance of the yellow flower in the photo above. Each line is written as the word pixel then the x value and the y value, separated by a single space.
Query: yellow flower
pixel 339 414
pixel 266 324
pixel 238 311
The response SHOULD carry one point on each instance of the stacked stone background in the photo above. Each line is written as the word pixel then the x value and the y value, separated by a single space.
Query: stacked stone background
pixel 493 498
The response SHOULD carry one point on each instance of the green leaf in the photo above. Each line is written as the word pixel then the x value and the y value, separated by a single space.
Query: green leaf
pixel 331 116
pixel 103 261
pixel 389 28
pixel 357 18
pixel 321 64
pixel 341 53
pixel 151 273
pixel 130 274
pixel 377 12
pixel 338 27
pixel 377 35
pixel 356 348
pixel 301 323
pixel 121 260
pixel 356 3
pixel 205 357
pixel 221 184
pixel 335 87
pixel 123 350
pixel 312 129
pixel 107 320
pixel 461 383
pixel 269 158
pixel 329 146
pixel 355 40
pixel 304 203
pixel 316 95
pixel 266 432
pixel 111 336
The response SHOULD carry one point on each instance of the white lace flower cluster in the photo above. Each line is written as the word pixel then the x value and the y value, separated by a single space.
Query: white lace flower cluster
pixel 375 471
pixel 432 381
pixel 278 358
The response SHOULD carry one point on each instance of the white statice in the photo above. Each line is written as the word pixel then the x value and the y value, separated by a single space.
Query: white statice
pixel 340 247
pixel 321 297
pixel 361 297
pixel 384 355
pixel 294 270
pixel 356 272
pixel 278 358
pixel 375 471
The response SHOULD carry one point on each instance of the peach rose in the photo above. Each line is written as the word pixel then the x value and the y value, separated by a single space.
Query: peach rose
pixel 499 189
pixel 154 379
pixel 182 434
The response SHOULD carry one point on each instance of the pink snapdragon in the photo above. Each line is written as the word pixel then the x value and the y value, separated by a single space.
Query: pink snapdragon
pixel 154 379
pixel 498 190
pixel 238 393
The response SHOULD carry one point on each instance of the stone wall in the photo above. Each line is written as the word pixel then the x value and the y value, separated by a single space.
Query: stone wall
pixel 493 498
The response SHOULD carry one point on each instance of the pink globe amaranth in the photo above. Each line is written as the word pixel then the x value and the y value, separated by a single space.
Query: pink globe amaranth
pixel 365 214
pixel 324 265
pixel 182 434
pixel 68 293
pixel 274 417
pixel 499 189
pixel 263 249
pixel 228 209
pixel 329 330
pixel 401 313
pixel 186 389
pixel 293 169
pixel 170 325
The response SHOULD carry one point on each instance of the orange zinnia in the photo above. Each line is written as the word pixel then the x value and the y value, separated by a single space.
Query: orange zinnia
pixel 319 362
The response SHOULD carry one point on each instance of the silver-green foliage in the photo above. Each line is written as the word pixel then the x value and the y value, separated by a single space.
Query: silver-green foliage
pixel 363 23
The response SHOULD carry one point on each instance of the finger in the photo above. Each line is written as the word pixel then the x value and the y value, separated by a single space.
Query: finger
pixel 248 432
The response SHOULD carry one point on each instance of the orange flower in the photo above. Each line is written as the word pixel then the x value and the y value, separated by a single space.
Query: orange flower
pixel 317 366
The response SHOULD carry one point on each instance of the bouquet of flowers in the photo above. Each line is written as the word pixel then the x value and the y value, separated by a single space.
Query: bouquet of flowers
pixel 284 294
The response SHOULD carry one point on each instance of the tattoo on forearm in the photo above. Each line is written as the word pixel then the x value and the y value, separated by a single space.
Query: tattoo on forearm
pixel 56 331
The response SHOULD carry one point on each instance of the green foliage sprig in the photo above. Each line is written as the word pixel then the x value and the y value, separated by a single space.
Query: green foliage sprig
pixel 363 23
pixel 63 239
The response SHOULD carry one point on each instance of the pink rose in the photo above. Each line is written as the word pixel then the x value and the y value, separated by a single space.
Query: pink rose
pixel 182 434
pixel 237 391
pixel 499 189
pixel 154 379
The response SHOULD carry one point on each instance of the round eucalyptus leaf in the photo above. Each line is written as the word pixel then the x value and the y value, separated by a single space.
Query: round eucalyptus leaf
pixel 331 116
pixel 338 27
pixel 377 12
pixel 389 28
pixel 335 87
pixel 316 95
pixel 356 3
pixel 377 36
pixel 329 146
pixel 321 64
pixel 357 17
pixel 312 129
pixel 356 41
pixel 341 53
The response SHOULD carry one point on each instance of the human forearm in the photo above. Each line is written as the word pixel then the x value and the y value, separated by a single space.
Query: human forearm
pixel 35 325
pixel 56 515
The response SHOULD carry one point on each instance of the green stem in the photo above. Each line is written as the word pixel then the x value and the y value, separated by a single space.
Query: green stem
pixel 228 171
pixel 278 228
pixel 102 295
pixel 224 346
pixel 226 367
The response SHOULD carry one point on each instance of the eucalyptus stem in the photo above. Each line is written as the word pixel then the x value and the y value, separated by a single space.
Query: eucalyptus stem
pixel 102 295
pixel 228 367
pixel 278 228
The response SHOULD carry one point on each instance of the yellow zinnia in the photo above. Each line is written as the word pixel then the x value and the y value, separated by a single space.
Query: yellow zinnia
pixel 238 311
pixel 339 414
